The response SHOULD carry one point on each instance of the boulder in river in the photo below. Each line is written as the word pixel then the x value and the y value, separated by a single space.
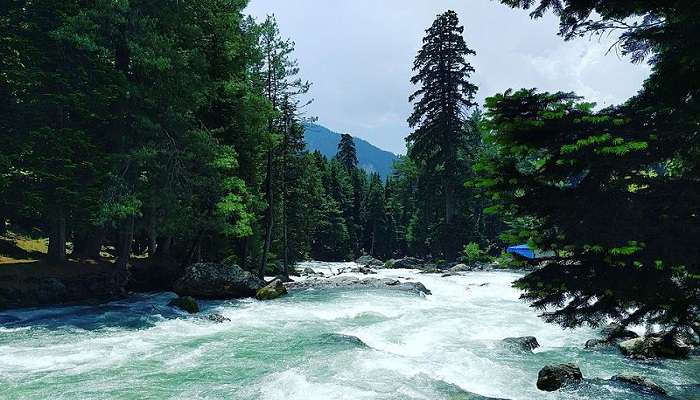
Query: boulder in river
pixel 369 261
pixel 363 270
pixel 654 346
pixel 271 291
pixel 217 281
pixel 354 283
pixel 596 343
pixel 310 272
pixel 408 263
pixel 185 303
pixel 460 268
pixel 554 377
pixel 612 334
pixel 218 318
pixel 616 332
pixel 524 343
pixel 339 338
pixel 639 382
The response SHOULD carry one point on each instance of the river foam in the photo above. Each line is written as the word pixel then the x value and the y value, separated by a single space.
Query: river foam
pixel 443 346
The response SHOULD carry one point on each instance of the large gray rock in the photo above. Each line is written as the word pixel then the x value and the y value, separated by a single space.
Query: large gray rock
pixel 272 290
pixel 310 272
pixel 460 268
pixel 615 332
pixel 553 377
pixel 408 263
pixel 612 334
pixel 363 270
pixel 639 382
pixel 369 261
pixel 217 281
pixel 354 283
pixel 654 346
pixel 524 343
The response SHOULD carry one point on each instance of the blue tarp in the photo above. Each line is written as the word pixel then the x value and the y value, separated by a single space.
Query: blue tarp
pixel 522 250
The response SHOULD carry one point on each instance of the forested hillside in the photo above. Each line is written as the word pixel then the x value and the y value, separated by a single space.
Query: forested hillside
pixel 174 132
pixel 369 157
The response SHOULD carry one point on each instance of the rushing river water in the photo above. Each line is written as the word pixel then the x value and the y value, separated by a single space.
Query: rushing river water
pixel 443 346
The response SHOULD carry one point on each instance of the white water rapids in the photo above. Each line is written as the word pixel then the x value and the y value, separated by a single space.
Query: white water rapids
pixel 443 346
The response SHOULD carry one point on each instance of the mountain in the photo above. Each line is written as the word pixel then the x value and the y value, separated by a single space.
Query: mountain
pixel 370 157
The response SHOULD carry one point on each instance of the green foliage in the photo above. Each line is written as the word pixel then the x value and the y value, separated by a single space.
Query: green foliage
pixel 604 188
pixel 473 253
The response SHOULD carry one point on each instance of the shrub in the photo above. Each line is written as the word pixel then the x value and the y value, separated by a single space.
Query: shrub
pixel 473 253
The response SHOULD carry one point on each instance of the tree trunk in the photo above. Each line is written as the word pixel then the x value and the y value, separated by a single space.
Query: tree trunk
pixel 198 252
pixel 125 237
pixel 285 260
pixel 270 219
pixel 163 245
pixel 3 224
pixel 152 235
pixel 57 235
pixel 93 244
pixel 285 243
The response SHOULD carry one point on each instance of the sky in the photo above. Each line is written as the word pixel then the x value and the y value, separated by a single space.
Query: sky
pixel 359 53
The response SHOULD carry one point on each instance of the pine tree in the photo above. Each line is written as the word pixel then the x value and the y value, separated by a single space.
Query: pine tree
pixel 439 110
pixel 347 154
pixel 614 192
pixel 280 72
pixel 376 218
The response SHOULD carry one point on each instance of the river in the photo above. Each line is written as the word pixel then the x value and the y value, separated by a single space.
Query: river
pixel 443 346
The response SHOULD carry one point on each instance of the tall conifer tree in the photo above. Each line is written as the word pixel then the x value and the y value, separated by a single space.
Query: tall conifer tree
pixel 441 102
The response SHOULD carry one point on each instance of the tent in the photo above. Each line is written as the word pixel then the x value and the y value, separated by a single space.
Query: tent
pixel 524 250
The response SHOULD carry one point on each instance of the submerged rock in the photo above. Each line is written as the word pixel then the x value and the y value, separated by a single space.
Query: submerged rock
pixel 524 343
pixel 218 318
pixel 185 303
pixel 654 346
pixel 351 282
pixel 639 382
pixel 369 261
pixel 217 281
pixel 341 338
pixel 597 343
pixel 273 290
pixel 553 377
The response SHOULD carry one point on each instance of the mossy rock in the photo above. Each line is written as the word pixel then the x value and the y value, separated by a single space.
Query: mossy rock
pixel 273 290
pixel 185 303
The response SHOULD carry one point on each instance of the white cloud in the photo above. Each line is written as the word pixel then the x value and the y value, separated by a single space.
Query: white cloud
pixel 359 56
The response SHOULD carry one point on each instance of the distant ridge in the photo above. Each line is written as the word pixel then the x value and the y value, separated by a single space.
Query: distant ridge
pixel 370 157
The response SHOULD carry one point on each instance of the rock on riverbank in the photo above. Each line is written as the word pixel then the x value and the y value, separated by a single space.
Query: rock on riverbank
pixel 354 283
pixel 217 281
